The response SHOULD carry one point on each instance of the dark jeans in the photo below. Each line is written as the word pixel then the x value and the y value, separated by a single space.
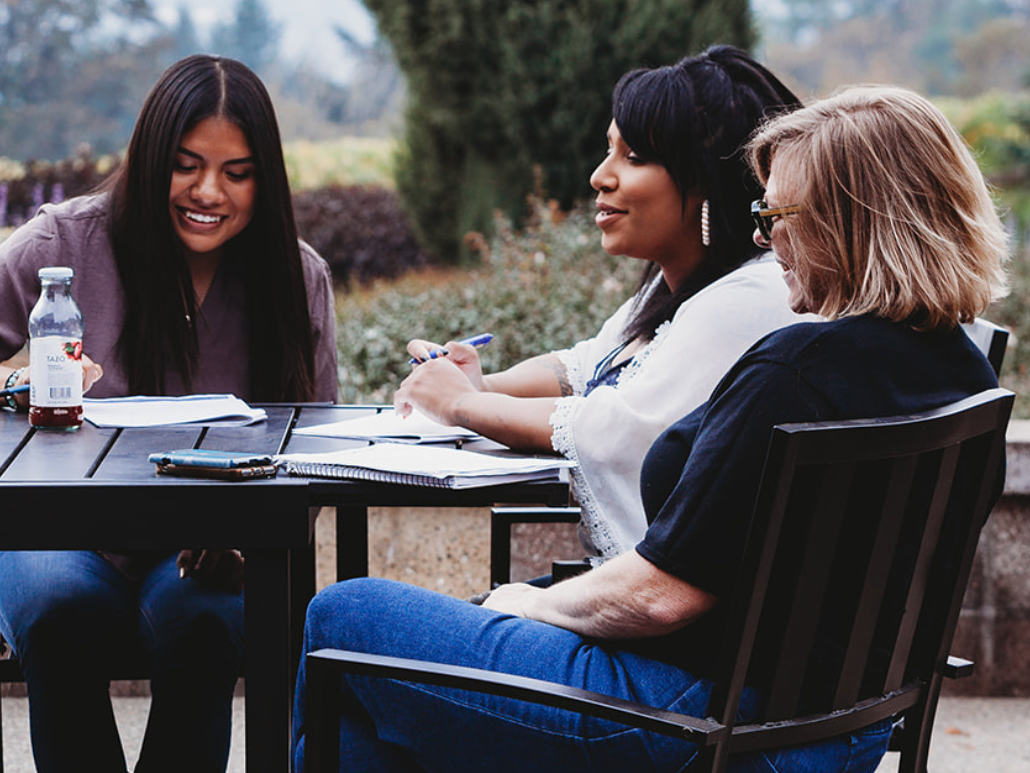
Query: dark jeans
pixel 72 617
pixel 395 726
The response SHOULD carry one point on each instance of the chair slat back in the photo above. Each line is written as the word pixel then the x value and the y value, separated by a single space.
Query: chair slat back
pixel 990 338
pixel 874 586
pixel 895 503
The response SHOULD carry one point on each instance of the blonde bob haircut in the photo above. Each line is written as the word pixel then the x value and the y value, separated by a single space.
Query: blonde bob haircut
pixel 895 218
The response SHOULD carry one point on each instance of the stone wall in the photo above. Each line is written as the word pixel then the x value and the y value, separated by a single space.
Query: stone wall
pixel 994 630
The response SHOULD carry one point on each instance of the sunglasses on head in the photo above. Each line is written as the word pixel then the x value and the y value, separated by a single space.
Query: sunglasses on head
pixel 765 216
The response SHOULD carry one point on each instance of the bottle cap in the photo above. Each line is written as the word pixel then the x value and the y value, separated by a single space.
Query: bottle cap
pixel 55 273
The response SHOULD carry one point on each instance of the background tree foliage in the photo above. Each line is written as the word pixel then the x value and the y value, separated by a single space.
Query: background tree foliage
pixel 938 47
pixel 251 37
pixel 500 92
pixel 57 74
pixel 75 72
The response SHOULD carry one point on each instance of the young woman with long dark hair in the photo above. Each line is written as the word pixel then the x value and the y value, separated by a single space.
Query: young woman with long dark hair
pixel 191 279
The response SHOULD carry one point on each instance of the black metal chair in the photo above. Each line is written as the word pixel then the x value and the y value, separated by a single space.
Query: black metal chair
pixel 992 340
pixel 830 492
pixel 501 521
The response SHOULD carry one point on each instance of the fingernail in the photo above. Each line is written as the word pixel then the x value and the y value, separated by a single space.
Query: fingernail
pixel 182 572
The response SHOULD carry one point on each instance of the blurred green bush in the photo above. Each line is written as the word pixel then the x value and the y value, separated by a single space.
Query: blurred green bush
pixel 538 289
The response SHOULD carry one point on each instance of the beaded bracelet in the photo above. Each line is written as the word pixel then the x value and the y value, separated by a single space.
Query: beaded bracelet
pixel 11 380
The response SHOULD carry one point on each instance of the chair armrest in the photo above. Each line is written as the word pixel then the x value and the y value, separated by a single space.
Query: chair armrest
pixel 323 664
pixel 566 568
pixel 510 515
pixel 501 520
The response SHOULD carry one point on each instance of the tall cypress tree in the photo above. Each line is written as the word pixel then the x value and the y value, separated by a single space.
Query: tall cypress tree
pixel 499 90
pixel 252 36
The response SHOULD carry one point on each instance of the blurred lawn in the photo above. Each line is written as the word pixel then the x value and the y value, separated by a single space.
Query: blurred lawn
pixel 346 161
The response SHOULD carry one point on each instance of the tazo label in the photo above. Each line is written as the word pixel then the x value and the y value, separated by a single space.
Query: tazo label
pixel 56 367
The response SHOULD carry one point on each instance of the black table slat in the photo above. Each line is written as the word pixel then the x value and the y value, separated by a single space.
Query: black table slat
pixel 127 459
pixel 13 429
pixel 59 454
pixel 264 437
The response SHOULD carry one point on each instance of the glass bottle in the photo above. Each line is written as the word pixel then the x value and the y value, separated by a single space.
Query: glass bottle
pixel 55 353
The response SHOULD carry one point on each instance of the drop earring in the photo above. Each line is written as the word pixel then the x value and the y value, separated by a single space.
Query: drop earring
pixel 706 238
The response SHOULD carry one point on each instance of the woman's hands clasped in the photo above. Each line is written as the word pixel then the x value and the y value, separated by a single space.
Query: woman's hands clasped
pixel 218 569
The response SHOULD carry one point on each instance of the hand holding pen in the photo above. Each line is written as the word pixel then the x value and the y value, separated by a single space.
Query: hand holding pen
pixel 436 352
pixel 440 376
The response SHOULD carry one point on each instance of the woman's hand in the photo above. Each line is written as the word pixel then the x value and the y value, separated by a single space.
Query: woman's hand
pixel 436 387
pixel 92 372
pixel 219 569
pixel 465 357
pixel 511 598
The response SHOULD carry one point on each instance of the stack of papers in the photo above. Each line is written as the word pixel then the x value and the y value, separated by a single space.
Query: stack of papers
pixel 139 411
pixel 422 465
pixel 390 426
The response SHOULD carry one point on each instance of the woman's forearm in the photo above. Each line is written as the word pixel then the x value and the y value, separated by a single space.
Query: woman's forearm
pixel 625 598
pixel 522 423
pixel 542 376
pixel 519 418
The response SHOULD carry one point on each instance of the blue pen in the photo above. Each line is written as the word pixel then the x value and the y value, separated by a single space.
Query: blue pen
pixel 477 340
pixel 14 390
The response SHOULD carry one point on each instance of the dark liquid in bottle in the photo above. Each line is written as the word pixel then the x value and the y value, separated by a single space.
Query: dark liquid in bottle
pixel 56 418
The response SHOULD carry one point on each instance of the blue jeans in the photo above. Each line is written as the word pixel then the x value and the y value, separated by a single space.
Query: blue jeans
pixel 395 726
pixel 72 617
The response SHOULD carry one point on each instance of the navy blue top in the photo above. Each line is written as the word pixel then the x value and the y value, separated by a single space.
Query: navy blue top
pixel 700 477
pixel 606 374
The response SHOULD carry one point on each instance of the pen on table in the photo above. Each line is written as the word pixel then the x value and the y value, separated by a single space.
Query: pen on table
pixel 14 390
pixel 477 340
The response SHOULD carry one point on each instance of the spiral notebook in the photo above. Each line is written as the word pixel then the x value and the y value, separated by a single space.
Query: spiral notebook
pixel 422 465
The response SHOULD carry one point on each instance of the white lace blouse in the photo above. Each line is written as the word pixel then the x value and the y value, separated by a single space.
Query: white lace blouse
pixel 608 432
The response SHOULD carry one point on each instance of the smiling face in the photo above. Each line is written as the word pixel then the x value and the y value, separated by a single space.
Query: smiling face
pixel 213 187
pixel 641 212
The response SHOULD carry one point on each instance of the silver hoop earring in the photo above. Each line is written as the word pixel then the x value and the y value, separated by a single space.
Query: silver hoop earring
pixel 706 238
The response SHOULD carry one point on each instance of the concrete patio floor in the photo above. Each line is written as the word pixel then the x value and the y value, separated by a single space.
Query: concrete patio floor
pixel 971 734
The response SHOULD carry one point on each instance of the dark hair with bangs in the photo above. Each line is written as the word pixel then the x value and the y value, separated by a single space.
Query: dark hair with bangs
pixel 160 300
pixel 695 118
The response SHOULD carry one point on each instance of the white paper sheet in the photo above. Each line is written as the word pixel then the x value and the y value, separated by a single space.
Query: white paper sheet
pixel 389 426
pixel 141 411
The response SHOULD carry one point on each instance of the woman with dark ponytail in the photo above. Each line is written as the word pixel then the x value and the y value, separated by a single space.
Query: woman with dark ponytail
pixel 674 191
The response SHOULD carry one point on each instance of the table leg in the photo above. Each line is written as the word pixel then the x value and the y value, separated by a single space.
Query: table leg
pixel 302 589
pixel 269 685
pixel 351 542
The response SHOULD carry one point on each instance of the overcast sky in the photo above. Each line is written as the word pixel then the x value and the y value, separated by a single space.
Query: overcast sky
pixel 307 25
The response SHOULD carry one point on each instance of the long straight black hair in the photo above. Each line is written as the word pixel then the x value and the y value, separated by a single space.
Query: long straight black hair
pixel 160 301
pixel 695 118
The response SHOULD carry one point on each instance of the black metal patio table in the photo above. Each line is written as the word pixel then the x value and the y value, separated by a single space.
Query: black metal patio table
pixel 94 488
